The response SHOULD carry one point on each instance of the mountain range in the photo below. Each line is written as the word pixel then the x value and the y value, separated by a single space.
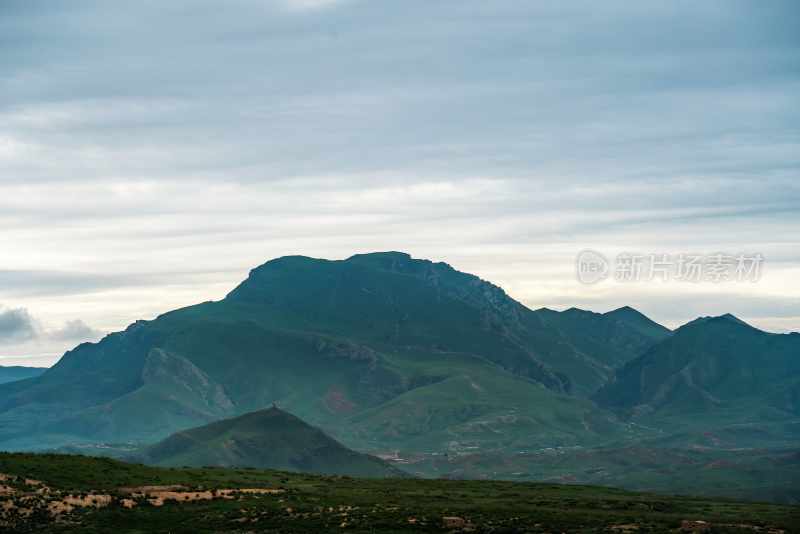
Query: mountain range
pixel 390 353
pixel 381 347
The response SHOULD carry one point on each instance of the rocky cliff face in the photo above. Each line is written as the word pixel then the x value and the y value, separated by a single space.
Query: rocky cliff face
pixel 180 378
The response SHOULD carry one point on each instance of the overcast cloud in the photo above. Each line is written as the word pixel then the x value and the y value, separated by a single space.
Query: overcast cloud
pixel 151 153
pixel 16 325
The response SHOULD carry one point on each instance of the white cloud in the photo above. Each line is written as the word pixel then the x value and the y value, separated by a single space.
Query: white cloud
pixel 310 4
pixel 75 331
pixel 26 340
pixel 17 325
pixel 145 167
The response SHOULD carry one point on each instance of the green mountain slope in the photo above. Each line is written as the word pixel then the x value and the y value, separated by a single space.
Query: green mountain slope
pixel 391 299
pixel 469 404
pixel 714 373
pixel 339 343
pixel 601 342
pixel 266 439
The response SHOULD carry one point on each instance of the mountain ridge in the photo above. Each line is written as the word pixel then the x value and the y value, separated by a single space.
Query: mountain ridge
pixel 329 339
pixel 378 349
pixel 705 365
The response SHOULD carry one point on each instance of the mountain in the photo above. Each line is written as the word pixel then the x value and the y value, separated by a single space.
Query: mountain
pixel 602 341
pixel 712 370
pixel 639 322
pixel 265 439
pixel 388 353
pixel 377 349
pixel 14 373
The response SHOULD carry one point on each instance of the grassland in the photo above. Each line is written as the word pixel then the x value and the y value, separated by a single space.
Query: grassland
pixel 308 503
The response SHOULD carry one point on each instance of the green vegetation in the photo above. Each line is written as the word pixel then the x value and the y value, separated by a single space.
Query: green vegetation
pixel 322 503
pixel 268 438
pixel 335 343
pixel 712 372
pixel 603 342
pixel 389 354
pixel 752 474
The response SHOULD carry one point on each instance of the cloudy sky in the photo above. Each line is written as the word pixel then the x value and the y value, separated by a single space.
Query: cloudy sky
pixel 151 152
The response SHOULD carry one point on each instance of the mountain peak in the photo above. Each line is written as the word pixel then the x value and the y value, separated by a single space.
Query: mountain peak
pixel 390 296
pixel 726 318
pixel 574 310
pixel 269 438
pixel 624 309
pixel 638 320
pixel 387 255
pixel 289 279
pixel 271 413
pixel 731 317
pixel 389 261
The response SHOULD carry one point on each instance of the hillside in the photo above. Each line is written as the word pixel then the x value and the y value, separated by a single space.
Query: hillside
pixel 710 364
pixel 266 439
pixel 603 341
pixel 345 345
pixel 714 377
pixel 56 493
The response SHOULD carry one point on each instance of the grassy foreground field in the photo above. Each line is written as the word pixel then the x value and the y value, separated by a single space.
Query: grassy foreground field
pixel 75 493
